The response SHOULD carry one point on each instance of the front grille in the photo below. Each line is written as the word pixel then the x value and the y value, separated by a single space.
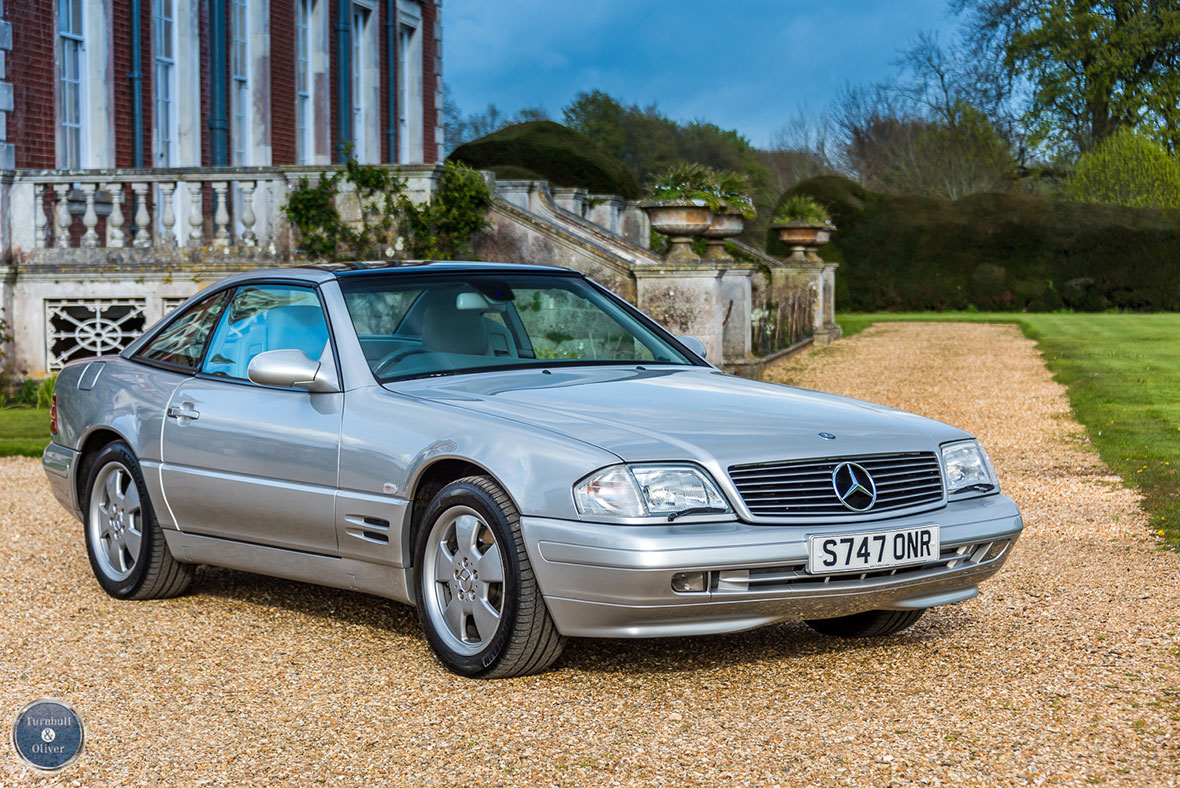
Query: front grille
pixel 803 488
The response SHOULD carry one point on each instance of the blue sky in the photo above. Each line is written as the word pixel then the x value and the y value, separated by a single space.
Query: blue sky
pixel 743 64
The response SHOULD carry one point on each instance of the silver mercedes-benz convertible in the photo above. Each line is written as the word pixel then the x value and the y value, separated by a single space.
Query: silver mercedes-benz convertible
pixel 517 452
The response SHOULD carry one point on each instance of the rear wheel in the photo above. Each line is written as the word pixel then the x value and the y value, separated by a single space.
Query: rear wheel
pixel 477 598
pixel 127 551
pixel 871 623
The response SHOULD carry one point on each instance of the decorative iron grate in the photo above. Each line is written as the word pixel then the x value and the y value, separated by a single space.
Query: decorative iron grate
pixel 171 303
pixel 86 327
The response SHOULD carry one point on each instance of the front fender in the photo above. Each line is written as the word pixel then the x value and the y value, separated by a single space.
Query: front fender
pixel 388 440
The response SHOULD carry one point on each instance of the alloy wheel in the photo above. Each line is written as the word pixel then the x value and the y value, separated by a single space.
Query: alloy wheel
pixel 115 521
pixel 464 580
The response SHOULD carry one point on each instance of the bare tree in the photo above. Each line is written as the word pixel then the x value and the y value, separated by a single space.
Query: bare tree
pixel 936 80
pixel 799 149
pixel 459 128
pixel 873 130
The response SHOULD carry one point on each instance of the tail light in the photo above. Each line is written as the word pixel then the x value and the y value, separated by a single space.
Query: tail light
pixel 53 415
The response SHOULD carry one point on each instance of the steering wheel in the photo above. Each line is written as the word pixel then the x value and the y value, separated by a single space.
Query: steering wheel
pixel 396 357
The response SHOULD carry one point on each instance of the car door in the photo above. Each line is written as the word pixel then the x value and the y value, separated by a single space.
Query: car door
pixel 255 463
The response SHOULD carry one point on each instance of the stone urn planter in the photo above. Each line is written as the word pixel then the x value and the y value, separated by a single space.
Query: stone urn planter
pixel 681 221
pixel 724 225
pixel 804 238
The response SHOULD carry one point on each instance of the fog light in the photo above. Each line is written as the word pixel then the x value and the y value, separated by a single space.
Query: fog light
pixel 690 581
pixel 996 550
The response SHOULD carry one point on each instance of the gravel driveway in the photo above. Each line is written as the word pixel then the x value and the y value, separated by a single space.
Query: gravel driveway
pixel 1066 671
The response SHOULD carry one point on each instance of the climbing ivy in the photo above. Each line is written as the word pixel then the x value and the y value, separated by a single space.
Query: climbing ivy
pixel 442 229
pixel 390 224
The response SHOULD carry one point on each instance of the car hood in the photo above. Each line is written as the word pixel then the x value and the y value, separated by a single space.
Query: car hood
pixel 686 414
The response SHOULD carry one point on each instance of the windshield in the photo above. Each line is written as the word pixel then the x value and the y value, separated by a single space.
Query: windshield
pixel 412 326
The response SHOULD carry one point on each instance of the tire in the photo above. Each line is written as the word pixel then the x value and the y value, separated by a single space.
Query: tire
pixel 126 546
pixel 492 627
pixel 869 624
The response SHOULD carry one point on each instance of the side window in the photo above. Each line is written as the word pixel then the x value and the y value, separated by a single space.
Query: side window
pixel 183 340
pixel 261 318
pixel 563 324
pixel 379 312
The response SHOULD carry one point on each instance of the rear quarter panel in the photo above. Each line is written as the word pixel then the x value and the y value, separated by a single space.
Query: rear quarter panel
pixel 126 398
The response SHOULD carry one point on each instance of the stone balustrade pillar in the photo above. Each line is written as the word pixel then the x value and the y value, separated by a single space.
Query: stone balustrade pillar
pixel 605 210
pixel 736 294
pixel 831 327
pixel 686 298
pixel 634 225
pixel 571 199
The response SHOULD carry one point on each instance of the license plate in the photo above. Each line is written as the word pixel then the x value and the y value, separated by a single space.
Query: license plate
pixel 863 552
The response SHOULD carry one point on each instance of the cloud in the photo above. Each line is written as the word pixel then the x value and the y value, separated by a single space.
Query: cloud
pixel 744 64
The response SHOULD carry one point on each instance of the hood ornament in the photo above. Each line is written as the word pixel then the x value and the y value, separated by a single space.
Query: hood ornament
pixel 827 436
pixel 854 487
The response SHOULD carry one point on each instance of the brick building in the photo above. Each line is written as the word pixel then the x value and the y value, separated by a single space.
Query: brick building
pixel 103 84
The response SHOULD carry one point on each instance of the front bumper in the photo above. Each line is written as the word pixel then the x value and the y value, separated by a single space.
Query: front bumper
pixel 58 462
pixel 616 581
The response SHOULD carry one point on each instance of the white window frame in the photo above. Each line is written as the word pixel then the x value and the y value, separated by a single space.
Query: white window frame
pixel 410 132
pixel 304 119
pixel 362 17
pixel 164 83
pixel 241 139
pixel 75 41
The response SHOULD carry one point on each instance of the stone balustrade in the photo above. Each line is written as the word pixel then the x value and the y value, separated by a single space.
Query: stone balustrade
pixel 144 209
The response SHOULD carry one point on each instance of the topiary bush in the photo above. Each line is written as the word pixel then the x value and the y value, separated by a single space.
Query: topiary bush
pixel 510 172
pixel 994 252
pixel 1126 169
pixel 554 152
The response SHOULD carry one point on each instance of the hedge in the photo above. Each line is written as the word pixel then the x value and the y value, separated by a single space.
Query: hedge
pixel 556 153
pixel 994 252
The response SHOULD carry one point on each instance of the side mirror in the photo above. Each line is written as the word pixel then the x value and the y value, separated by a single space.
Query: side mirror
pixel 290 369
pixel 693 344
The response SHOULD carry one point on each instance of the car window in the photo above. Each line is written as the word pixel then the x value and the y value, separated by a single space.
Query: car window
pixel 183 340
pixel 565 325
pixel 457 323
pixel 261 318
pixel 379 312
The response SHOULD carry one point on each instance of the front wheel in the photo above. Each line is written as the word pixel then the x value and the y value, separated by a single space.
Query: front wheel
pixel 871 623
pixel 127 551
pixel 477 598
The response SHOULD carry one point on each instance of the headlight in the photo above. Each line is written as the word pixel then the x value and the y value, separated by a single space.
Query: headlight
pixel 646 490
pixel 968 468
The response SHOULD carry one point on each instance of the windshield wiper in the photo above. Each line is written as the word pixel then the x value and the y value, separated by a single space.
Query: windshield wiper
pixel 697 510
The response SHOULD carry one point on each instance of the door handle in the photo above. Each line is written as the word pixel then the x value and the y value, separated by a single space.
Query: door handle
pixel 183 412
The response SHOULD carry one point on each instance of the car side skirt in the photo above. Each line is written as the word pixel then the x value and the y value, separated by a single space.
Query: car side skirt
pixel 381 580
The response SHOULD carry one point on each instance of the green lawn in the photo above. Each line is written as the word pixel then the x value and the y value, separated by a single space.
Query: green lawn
pixel 1122 372
pixel 23 431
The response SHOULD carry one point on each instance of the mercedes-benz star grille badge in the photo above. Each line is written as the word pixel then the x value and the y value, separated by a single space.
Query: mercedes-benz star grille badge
pixel 854 487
